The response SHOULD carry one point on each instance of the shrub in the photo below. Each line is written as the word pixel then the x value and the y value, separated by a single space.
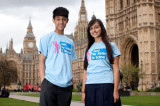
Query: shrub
pixel 157 89
pixel 75 90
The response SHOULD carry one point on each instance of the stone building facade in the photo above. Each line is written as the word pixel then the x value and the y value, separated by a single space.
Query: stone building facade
pixel 25 62
pixel 80 40
pixel 134 25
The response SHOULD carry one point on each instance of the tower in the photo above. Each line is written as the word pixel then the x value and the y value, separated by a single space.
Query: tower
pixel 134 26
pixel 81 27
pixel 80 36
pixel 29 41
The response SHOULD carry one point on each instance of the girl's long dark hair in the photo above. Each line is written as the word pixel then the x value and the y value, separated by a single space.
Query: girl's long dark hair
pixel 104 39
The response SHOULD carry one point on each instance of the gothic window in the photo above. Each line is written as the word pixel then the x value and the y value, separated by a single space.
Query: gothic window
pixel 30 81
pixel 29 75
pixel 23 67
pixel 121 4
pixel 127 22
pixel 33 67
pixel 26 81
pixel 30 67
pixel 79 54
pixel 128 2
pixel 78 65
pixel 26 67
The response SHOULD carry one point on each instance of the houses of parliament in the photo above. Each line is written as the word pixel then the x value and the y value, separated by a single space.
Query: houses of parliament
pixel 25 62
pixel 134 25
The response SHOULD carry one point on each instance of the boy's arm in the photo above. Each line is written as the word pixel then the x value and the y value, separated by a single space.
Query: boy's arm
pixel 42 59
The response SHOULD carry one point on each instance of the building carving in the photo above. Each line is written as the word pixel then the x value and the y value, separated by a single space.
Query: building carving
pixel 134 25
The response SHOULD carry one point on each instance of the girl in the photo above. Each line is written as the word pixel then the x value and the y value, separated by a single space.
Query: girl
pixel 101 68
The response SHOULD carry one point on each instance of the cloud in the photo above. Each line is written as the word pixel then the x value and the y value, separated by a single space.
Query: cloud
pixel 35 3
pixel 14 17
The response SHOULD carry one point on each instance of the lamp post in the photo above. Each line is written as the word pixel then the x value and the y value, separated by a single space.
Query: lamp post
pixel 141 73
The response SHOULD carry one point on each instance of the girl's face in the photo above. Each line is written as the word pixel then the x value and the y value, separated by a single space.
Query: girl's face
pixel 95 30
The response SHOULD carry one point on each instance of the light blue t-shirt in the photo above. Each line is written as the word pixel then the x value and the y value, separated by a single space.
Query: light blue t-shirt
pixel 99 69
pixel 60 52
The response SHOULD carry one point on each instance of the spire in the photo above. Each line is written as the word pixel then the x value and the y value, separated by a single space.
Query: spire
pixel 29 25
pixel 29 29
pixel 11 44
pixel 1 50
pixel 21 51
pixel 83 8
pixel 82 4
pixel 83 12
pixel 93 17
pixel 6 47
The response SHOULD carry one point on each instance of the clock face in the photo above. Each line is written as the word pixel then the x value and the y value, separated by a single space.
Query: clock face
pixel 83 16
pixel 30 45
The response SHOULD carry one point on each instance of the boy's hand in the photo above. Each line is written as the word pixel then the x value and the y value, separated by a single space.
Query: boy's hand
pixel 42 80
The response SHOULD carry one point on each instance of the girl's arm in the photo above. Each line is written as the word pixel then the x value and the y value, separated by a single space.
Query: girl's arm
pixel 116 78
pixel 83 85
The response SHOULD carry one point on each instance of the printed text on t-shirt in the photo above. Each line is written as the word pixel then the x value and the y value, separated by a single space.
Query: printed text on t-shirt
pixel 98 54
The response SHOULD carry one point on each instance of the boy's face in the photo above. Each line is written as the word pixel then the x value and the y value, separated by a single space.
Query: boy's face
pixel 60 22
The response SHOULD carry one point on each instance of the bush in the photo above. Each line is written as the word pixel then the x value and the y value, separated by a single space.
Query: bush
pixel 157 89
pixel 75 90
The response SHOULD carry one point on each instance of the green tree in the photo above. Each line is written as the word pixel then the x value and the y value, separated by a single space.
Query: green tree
pixel 131 74
pixel 7 73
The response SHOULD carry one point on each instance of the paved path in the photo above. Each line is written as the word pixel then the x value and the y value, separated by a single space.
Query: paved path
pixel 36 99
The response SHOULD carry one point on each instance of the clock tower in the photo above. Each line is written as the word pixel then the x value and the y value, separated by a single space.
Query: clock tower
pixel 80 40
pixel 29 42
pixel 82 12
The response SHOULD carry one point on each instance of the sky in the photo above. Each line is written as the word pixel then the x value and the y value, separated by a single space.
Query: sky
pixel 15 15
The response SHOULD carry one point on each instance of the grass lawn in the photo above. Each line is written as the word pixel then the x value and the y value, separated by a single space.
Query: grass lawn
pixel 141 100
pixel 33 95
pixel 15 102
pixel 137 100
pixel 75 97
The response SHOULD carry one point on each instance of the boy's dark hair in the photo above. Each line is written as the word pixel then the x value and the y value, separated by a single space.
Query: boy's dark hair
pixel 60 11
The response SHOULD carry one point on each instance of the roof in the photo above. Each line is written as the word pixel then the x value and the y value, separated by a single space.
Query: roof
pixel 69 36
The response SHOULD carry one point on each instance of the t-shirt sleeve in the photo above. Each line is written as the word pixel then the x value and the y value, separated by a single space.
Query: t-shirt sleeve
pixel 43 46
pixel 115 49
pixel 74 57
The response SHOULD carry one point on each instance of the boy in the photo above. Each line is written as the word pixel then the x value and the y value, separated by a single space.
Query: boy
pixel 55 63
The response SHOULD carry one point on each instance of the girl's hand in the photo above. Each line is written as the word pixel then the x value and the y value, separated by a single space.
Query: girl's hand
pixel 116 96
pixel 83 97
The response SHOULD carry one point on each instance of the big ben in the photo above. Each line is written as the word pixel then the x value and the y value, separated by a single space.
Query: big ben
pixel 29 40
pixel 80 39
pixel 25 62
